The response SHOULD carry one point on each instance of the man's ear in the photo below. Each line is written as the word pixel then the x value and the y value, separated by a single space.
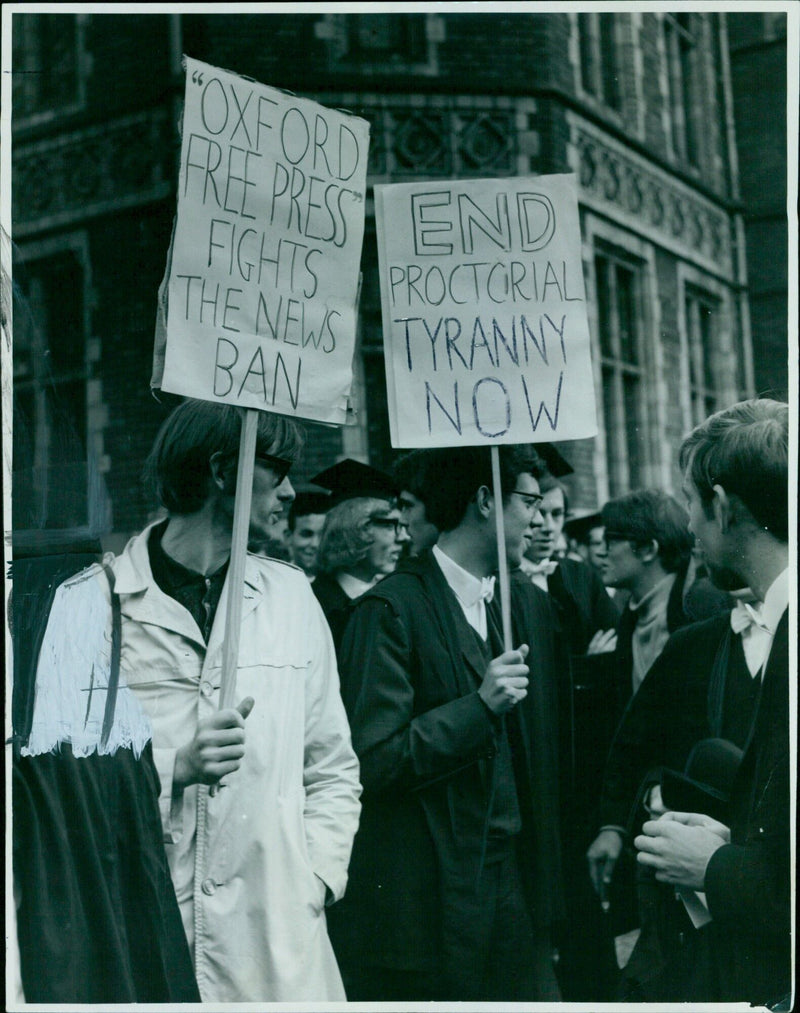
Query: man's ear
pixel 484 500
pixel 723 508
pixel 647 551
pixel 222 472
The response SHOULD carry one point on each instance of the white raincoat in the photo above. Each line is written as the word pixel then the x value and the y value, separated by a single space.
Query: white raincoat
pixel 252 865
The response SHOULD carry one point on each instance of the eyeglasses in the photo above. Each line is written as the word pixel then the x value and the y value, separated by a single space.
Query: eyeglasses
pixel 388 522
pixel 531 500
pixel 279 465
pixel 617 536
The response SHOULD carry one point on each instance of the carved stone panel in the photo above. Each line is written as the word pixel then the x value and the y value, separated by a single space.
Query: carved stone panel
pixel 684 219
pixel 445 138
pixel 77 175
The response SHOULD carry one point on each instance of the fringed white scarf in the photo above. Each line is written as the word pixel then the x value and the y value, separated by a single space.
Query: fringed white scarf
pixel 73 672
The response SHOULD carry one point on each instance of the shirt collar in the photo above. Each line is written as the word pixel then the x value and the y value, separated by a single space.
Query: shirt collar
pixel 173 573
pixel 468 588
pixel 352 586
pixel 776 601
pixel 655 599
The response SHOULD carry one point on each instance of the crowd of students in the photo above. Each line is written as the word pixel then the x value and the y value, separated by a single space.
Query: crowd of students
pixel 403 805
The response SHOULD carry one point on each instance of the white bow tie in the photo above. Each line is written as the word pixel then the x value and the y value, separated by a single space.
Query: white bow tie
pixel 487 589
pixel 546 568
pixel 744 616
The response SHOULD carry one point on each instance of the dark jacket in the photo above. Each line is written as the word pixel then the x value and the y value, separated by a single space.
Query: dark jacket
pixel 747 881
pixel 746 948
pixel 589 705
pixel 335 604
pixel 665 718
pixel 583 605
pixel 410 669
pixel 677 617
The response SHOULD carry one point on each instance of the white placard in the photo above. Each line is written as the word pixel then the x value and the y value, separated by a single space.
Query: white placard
pixel 264 265
pixel 486 339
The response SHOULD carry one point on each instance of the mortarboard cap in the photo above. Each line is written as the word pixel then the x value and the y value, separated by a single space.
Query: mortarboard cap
pixel 557 465
pixel 581 524
pixel 310 501
pixel 349 479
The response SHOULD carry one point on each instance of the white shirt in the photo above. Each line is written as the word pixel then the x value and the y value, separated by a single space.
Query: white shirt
pixel 352 586
pixel 757 636
pixel 472 592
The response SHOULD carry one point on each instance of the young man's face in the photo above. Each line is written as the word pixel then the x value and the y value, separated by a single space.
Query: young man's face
pixel 521 517
pixel 303 542
pixel 547 533
pixel 271 498
pixel 422 534
pixel 622 567
pixel 710 539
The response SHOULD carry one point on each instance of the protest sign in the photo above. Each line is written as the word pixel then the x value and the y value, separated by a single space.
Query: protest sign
pixel 264 263
pixel 486 339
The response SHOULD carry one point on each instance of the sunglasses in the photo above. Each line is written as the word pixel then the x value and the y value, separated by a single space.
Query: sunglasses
pixel 279 465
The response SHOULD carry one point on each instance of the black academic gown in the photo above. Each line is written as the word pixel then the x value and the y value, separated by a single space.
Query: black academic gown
pixel 588 711
pixel 334 602
pixel 744 953
pixel 748 881
pixel 97 920
pixel 410 669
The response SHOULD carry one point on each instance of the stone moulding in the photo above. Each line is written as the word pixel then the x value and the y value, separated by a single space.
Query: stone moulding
pixel 97 170
pixel 646 198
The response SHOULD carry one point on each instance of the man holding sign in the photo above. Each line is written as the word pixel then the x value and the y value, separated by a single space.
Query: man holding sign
pixel 441 903
pixel 255 863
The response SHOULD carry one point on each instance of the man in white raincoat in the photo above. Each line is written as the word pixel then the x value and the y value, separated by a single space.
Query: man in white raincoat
pixel 255 863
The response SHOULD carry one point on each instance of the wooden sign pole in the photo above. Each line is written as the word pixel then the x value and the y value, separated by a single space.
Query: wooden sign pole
pixel 505 595
pixel 241 526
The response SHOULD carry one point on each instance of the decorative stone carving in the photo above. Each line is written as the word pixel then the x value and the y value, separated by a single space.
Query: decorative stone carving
pixel 74 176
pixel 421 142
pixel 691 220
pixel 452 139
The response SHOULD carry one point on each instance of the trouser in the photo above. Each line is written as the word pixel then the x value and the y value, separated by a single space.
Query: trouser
pixel 491 952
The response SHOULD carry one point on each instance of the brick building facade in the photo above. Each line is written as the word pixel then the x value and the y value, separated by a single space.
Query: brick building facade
pixel 758 48
pixel 638 105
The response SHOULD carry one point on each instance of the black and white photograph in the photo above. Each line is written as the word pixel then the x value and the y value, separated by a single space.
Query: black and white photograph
pixel 399 429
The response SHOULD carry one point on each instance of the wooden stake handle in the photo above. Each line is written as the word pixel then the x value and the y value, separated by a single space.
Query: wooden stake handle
pixel 236 569
pixel 502 562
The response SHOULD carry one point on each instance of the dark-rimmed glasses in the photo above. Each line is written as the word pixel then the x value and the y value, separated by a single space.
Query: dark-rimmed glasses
pixel 279 465
pixel 388 522
pixel 532 500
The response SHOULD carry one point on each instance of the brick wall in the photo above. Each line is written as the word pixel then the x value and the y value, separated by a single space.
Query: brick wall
pixel 128 254
pixel 479 54
pixel 758 72
pixel 129 62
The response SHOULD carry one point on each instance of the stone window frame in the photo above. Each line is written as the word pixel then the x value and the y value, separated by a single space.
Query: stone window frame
pixel 97 516
pixel 682 74
pixel 596 62
pixel 722 357
pixel 333 29
pixel 611 471
pixel 25 23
